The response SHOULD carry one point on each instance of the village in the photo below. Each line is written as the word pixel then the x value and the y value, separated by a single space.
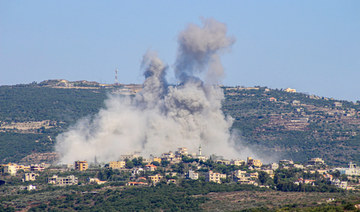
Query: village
pixel 173 167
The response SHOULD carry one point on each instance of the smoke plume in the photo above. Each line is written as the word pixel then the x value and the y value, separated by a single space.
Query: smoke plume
pixel 162 117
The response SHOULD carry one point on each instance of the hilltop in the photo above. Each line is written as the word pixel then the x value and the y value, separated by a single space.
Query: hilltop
pixel 274 121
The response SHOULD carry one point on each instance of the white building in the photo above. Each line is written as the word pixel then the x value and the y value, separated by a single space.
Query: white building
pixel 11 169
pixel 274 166
pixel 30 187
pixel 193 175
pixel 214 177
pixel 62 181
pixel 30 176
pixel 353 170
pixel 137 171
pixel 238 162
pixel 316 161
pixel 241 177
pixel 339 184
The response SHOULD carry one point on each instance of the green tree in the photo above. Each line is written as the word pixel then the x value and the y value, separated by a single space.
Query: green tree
pixel 129 164
pixel 263 177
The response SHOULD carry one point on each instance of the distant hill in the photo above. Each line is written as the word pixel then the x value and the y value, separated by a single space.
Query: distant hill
pixel 295 125
pixel 281 122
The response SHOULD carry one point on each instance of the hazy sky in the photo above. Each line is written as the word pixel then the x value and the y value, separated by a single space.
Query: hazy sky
pixel 312 46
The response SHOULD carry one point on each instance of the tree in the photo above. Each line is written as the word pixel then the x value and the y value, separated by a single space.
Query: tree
pixel 137 161
pixel 336 174
pixel 155 163
pixel 165 163
pixel 129 164
pixel 263 177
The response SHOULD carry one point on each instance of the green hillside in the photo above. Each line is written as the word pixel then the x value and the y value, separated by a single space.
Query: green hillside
pixel 291 125
pixel 21 104
pixel 295 125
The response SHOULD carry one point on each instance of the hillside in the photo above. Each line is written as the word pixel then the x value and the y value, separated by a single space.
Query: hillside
pixel 290 125
pixel 296 125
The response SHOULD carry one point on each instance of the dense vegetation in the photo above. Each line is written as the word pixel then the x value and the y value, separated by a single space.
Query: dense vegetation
pixel 28 103
pixel 295 125
pixel 311 127
pixel 15 146
pixel 33 103
pixel 185 196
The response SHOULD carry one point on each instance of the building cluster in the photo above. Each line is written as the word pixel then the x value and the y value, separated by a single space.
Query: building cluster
pixel 13 168
pixel 170 168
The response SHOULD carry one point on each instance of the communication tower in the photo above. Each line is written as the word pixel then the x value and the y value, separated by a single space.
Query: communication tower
pixel 116 77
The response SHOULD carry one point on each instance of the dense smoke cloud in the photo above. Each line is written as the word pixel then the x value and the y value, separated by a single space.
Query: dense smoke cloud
pixel 199 49
pixel 161 117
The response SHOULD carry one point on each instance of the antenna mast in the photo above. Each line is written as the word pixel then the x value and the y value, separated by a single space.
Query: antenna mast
pixel 116 77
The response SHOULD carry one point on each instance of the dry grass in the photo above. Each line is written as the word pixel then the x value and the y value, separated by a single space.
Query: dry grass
pixel 235 201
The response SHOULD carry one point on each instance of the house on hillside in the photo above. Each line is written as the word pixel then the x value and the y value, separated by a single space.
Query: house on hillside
pixel 353 170
pixel 136 184
pixel 30 176
pixel 290 90
pixel 214 177
pixel 150 168
pixel 117 164
pixel 253 162
pixel 63 181
pixel 155 178
pixel 192 175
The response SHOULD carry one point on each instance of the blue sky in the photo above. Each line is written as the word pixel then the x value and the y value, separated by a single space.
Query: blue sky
pixel 312 46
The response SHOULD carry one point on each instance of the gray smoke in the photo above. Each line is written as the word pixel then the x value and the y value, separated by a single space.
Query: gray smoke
pixel 161 117
pixel 199 49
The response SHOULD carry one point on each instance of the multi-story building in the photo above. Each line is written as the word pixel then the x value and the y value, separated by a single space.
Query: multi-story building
pixel 130 156
pixel 63 181
pixel 340 184
pixel 150 168
pixel 192 175
pixel 225 162
pixel 155 178
pixel 37 167
pixel 214 177
pixel 238 162
pixel 81 165
pixel 168 156
pixel 10 168
pixel 253 162
pixel 351 171
pixel 241 177
pixel 156 159
pixel 30 177
pixel 254 175
pixel 117 164
pixel 181 151
pixel 23 167
pixel 316 161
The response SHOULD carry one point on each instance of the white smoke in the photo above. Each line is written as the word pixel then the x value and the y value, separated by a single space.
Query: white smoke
pixel 161 117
